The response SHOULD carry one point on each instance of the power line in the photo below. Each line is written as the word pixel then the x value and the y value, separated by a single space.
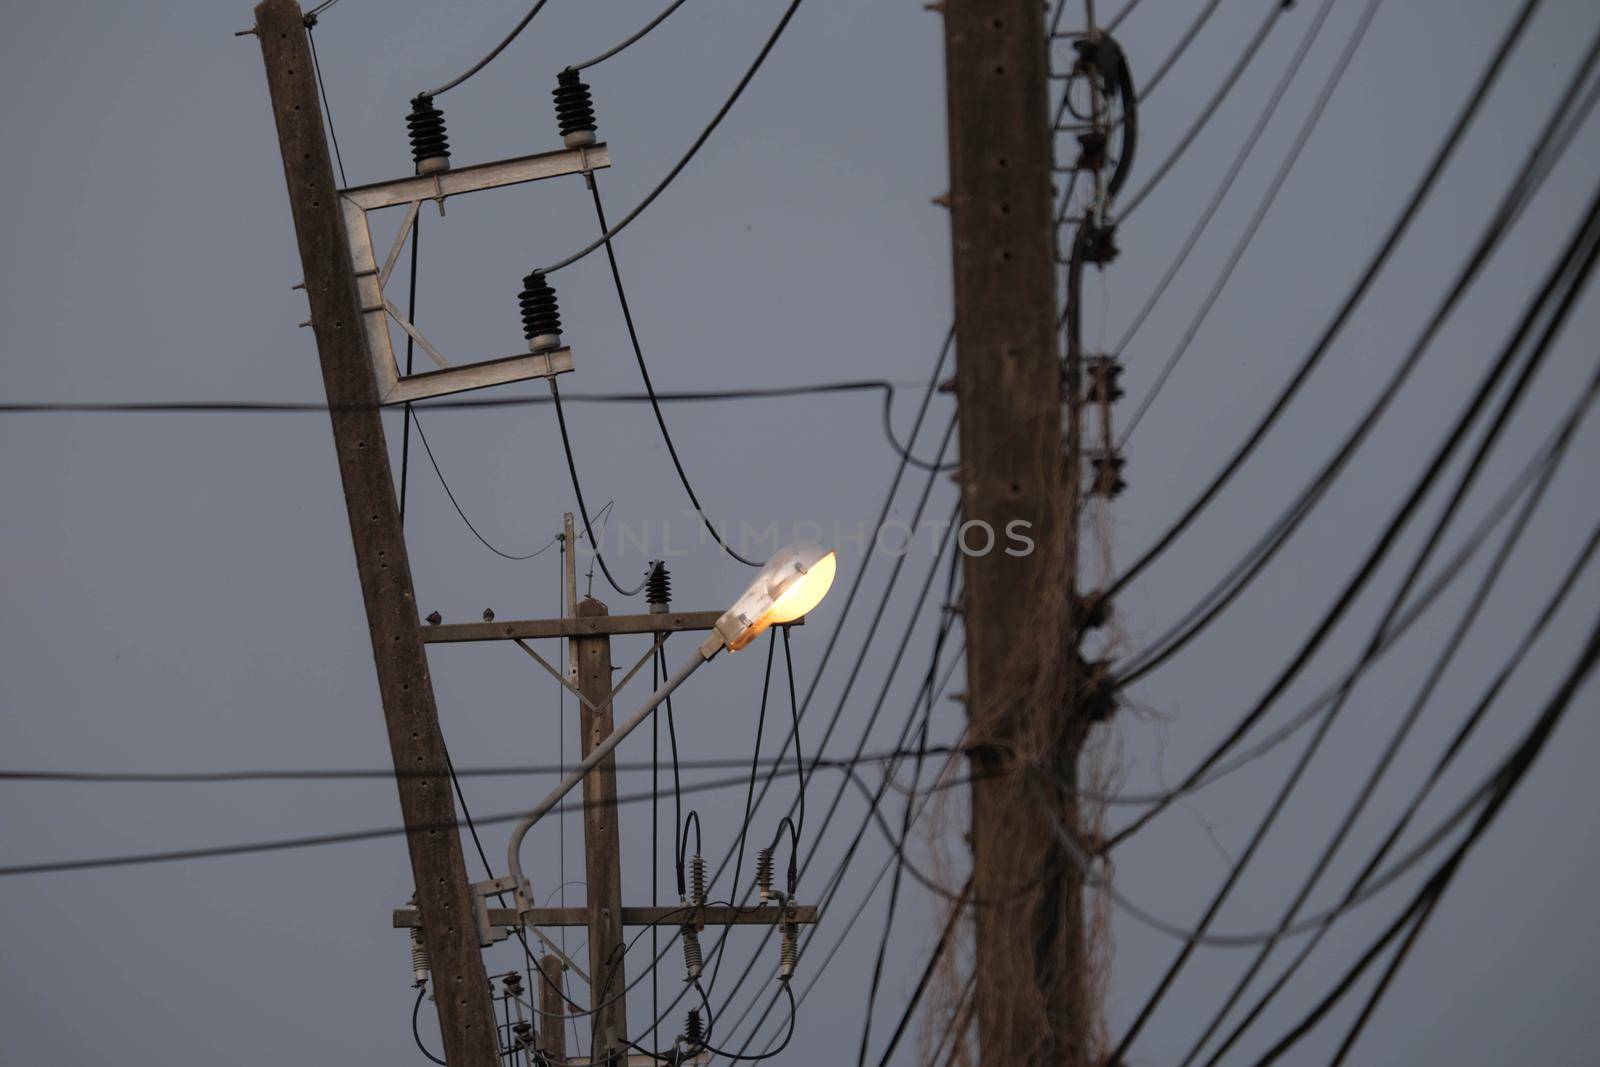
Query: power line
pixel 486 60
pixel 627 42
pixel 346 837
pixel 1391 240
pixel 1589 235
pixel 649 387
pixel 677 168
pixel 1206 114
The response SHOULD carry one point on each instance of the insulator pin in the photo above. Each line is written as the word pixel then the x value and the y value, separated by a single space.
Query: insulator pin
pixel 574 110
pixel 541 317
pixel 430 148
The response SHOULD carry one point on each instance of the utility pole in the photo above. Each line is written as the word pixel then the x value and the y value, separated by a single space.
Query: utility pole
pixel 1022 675
pixel 602 846
pixel 461 987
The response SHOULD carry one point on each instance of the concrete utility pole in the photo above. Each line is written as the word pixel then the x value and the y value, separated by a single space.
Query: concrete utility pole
pixel 602 846
pixel 1021 657
pixel 461 988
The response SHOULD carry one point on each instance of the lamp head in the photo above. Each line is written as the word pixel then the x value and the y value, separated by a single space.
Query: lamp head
pixel 793 582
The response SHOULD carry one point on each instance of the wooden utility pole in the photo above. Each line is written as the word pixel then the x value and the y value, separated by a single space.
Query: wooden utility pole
pixel 461 988
pixel 602 845
pixel 552 1010
pixel 1030 1005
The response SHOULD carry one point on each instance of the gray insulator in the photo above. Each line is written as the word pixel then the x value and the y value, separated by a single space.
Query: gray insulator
pixel 693 959
pixel 421 964
pixel 788 951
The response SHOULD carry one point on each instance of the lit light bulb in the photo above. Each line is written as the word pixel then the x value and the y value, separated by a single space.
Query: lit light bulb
pixel 793 582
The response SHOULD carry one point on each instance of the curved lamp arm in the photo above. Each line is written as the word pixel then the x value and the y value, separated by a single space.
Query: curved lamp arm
pixel 710 648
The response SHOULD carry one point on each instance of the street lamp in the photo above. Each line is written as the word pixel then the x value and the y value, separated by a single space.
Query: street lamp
pixel 791 583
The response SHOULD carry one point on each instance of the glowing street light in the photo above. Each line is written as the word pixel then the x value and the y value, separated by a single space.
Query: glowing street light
pixel 791 583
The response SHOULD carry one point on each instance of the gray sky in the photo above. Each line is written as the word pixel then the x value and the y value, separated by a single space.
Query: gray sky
pixel 181 591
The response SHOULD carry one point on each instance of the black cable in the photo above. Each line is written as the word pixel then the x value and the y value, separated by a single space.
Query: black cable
pixel 649 387
pixel 1575 249
pixel 626 42
pixel 1265 204
pixel 1457 635
pixel 1463 733
pixel 761 725
pixel 1509 775
pixel 794 719
pixel 485 61
pixel 1530 178
pixel 345 837
pixel 1274 99
pixel 1169 644
pixel 388 774
pixel 677 168
pixel 185 407
pixel 899 866
pixel 327 108
pixel 1208 112
pixel 1184 41
pixel 946 936
pixel 874 797
pixel 679 826
pixel 1401 224
pixel 843 616
pixel 457 505
pixel 416 1035
pixel 577 491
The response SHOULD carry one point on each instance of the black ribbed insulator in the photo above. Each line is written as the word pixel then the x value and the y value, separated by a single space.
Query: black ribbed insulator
pixel 428 141
pixel 540 315
pixel 658 587
pixel 574 109
pixel 694 1035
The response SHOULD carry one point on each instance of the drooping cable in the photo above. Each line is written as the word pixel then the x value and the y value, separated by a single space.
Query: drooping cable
pixel 577 492
pixel 1584 247
pixel 1369 275
pixel 1265 205
pixel 695 147
pixel 649 387
pixel 629 41
pixel 486 60
pixel 1207 113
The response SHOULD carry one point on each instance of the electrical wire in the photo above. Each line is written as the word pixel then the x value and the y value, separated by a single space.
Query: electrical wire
pixel 1184 42
pixel 577 491
pixel 1590 236
pixel 486 60
pixel 457 505
pixel 184 407
pixel 1274 99
pixel 649 387
pixel 843 616
pixel 625 43
pixel 345 837
pixel 1509 775
pixel 1391 240
pixel 677 168
pixel 1512 663
pixel 416 1034
pixel 1208 112
pixel 1262 208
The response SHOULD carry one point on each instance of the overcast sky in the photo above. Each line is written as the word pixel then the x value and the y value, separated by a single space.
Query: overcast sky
pixel 181 594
